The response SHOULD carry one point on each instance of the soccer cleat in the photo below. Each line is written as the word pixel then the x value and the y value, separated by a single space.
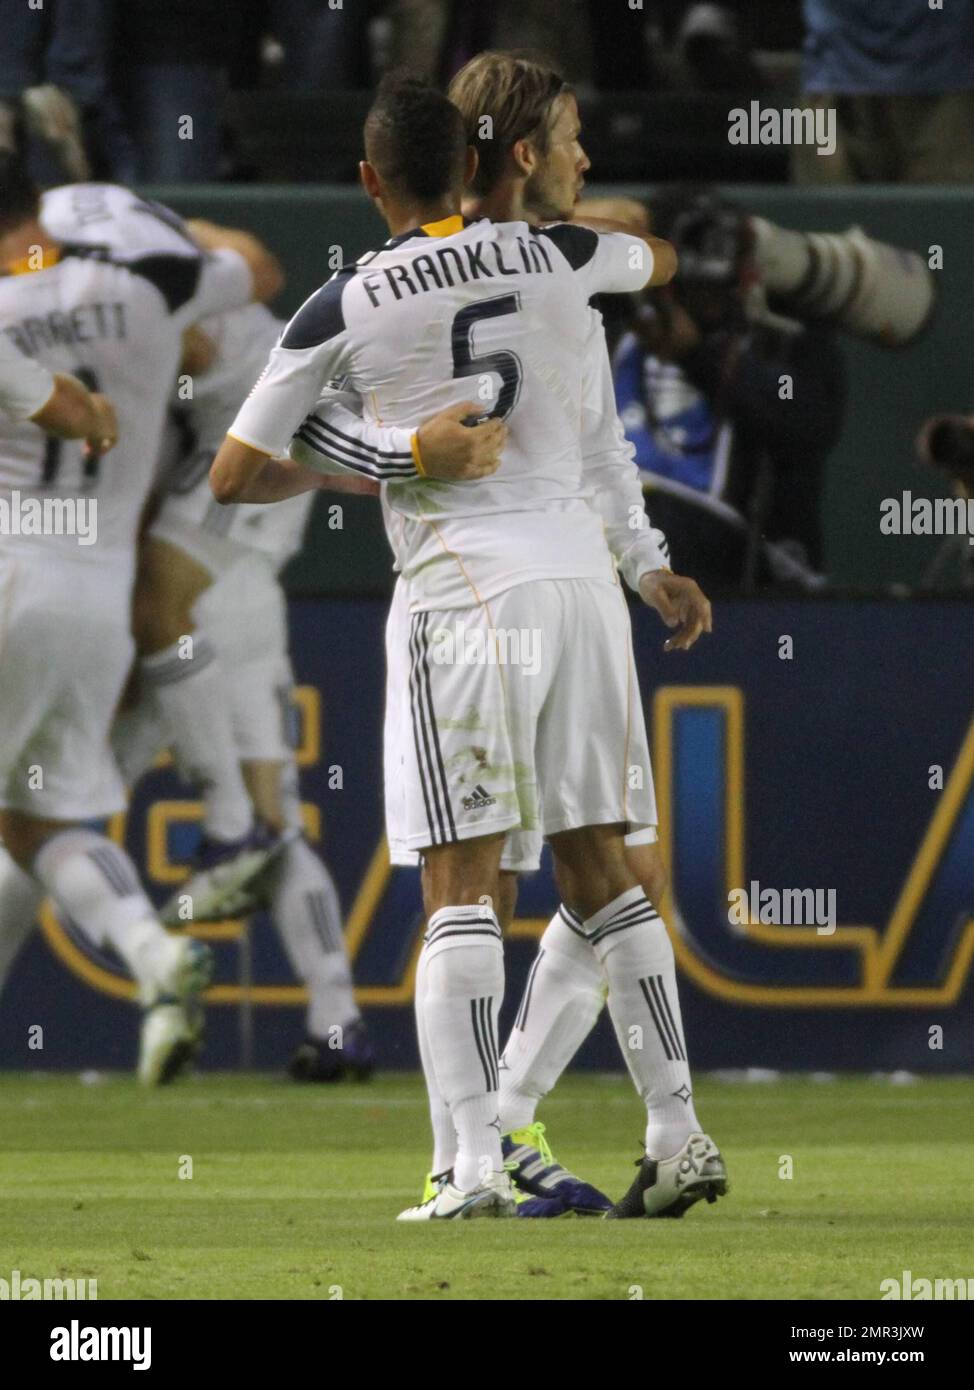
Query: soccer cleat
pixel 316 1060
pixel 172 1023
pixel 223 878
pixel 533 1168
pixel 541 1208
pixel 671 1186
pixel 493 1198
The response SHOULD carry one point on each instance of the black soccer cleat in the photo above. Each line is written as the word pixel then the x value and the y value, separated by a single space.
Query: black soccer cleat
pixel 317 1060
pixel 671 1186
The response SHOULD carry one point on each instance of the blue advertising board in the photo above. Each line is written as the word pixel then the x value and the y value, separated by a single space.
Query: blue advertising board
pixel 814 754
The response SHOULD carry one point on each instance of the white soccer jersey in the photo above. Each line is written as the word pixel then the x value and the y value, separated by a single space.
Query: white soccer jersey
pixel 118 330
pixel 106 214
pixel 25 386
pixel 337 439
pixel 243 339
pixel 491 312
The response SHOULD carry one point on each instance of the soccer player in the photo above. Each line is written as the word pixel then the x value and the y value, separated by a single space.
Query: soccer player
pixel 66 645
pixel 516 553
pixel 225 711
pixel 215 569
pixel 533 167
pixel 189 694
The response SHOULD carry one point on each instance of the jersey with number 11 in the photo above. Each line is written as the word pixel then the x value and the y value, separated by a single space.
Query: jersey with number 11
pixel 119 330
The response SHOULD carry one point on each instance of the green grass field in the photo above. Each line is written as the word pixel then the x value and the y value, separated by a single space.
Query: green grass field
pixel 294 1191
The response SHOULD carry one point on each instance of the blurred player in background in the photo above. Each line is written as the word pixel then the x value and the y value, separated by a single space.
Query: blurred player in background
pixel 189 694
pixel 66 644
pixel 215 570
pixel 225 711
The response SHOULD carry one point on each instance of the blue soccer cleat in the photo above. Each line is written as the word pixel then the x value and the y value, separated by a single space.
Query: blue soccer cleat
pixel 533 1169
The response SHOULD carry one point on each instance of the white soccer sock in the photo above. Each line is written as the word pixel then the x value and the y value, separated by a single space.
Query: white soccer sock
pixel 562 1000
pixel 631 941
pixel 305 910
pixel 190 694
pixel 464 978
pixel 95 883
pixel 20 898
pixel 138 734
pixel 441 1122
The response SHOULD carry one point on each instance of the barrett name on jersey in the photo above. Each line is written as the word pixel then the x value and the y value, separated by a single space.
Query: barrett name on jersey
pixel 118 328
pixel 493 312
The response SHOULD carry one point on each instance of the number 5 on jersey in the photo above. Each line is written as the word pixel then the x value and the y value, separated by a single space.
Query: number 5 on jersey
pixel 504 363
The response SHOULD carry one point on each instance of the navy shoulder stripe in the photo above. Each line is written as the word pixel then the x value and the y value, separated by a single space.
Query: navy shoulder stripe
pixel 319 317
pixel 576 244
pixel 176 277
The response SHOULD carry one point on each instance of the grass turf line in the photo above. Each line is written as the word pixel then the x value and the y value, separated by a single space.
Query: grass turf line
pixel 295 1189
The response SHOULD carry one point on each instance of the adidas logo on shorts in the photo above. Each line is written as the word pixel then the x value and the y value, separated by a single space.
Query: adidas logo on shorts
pixel 479 799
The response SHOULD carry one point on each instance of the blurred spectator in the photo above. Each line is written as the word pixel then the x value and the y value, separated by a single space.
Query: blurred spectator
pixel 946 442
pixel 711 49
pixel 170 72
pixel 732 420
pixel 436 37
pixel 324 48
pixel 54 89
pixel 900 76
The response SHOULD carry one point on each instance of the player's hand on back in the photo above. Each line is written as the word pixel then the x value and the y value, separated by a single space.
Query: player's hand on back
pixel 103 434
pixel 453 452
pixel 682 605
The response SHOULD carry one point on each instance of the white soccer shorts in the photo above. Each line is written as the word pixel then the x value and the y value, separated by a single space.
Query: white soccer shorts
pixel 522 848
pixel 520 715
pixel 214 545
pixel 65 653
pixel 244 614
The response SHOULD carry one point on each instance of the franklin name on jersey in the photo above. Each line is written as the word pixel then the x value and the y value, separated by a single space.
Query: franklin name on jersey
pixel 492 312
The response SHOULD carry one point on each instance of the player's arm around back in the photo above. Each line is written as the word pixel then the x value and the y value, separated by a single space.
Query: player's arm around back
pixel 612 261
pixel 73 412
pixel 59 404
pixel 630 218
pixel 264 267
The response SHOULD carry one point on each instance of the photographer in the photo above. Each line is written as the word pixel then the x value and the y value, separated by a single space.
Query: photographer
pixel 946 443
pixel 732 410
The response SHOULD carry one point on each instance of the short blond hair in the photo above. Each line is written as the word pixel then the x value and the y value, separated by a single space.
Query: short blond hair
pixel 517 91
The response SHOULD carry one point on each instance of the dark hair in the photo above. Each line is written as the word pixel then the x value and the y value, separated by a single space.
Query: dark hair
pixel 414 137
pixel 516 91
pixel 20 198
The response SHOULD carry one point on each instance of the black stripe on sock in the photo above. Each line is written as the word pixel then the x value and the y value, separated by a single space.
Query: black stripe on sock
pixel 662 1026
pixel 321 921
pixel 478 1039
pixel 492 1038
pixel 660 989
pixel 622 923
pixel 571 920
pixel 121 878
pixel 522 1013
pixel 487 924
pixel 651 1002
pixel 463 931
